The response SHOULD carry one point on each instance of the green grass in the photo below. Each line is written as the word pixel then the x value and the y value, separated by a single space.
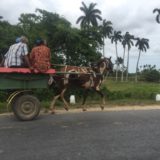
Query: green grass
pixel 3 107
pixel 131 92
pixel 116 93
pixel 132 86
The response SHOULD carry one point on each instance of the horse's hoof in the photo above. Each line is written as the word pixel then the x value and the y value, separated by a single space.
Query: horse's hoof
pixel 102 108
pixel 66 109
pixel 84 109
pixel 45 111
pixel 53 112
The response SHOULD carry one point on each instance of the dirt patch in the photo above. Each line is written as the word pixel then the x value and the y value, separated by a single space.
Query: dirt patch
pixel 97 109
pixel 115 108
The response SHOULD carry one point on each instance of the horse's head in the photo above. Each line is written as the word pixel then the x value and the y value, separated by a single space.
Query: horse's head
pixel 109 65
pixel 103 66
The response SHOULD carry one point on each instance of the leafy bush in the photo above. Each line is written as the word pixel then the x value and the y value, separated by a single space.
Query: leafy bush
pixel 150 74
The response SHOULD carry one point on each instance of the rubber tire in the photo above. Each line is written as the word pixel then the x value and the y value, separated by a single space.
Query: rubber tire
pixel 26 107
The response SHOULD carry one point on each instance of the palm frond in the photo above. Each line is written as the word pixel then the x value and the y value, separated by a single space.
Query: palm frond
pixel 158 18
pixel 79 19
pixel 95 11
pixel 83 10
pixel 92 5
pixel 156 10
pixel 91 15
pixel 84 6
pixel 98 17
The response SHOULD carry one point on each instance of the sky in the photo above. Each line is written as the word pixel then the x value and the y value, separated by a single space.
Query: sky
pixel 133 16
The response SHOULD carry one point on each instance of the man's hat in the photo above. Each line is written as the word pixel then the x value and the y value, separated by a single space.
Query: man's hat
pixel 18 39
pixel 39 41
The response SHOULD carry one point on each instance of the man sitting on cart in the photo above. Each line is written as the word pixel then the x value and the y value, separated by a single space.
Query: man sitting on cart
pixel 40 56
pixel 17 55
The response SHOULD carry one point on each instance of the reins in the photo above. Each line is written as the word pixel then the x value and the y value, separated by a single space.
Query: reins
pixel 79 70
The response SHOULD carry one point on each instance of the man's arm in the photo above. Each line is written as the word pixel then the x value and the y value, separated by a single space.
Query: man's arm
pixel 2 63
pixel 28 62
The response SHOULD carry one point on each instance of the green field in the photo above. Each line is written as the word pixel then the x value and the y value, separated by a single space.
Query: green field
pixel 116 93
pixel 122 93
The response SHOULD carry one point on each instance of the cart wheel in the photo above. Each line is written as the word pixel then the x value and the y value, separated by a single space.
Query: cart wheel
pixel 26 107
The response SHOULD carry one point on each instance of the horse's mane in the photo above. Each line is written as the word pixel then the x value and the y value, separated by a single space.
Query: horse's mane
pixel 100 61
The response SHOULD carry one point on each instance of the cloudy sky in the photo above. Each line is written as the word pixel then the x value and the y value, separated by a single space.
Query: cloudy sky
pixel 134 16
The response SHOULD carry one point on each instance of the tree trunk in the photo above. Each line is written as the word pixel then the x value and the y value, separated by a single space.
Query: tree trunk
pixel 103 47
pixel 127 66
pixel 122 75
pixel 136 79
pixel 117 63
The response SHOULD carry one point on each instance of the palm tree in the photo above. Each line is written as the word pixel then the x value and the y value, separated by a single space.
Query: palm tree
pixel 90 17
pixel 106 29
pixel 158 15
pixel 129 43
pixel 124 43
pixel 119 62
pixel 143 45
pixel 114 39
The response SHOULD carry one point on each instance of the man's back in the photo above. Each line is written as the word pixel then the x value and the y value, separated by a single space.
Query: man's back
pixel 15 53
pixel 40 58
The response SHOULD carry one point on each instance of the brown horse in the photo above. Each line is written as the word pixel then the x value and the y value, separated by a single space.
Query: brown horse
pixel 83 77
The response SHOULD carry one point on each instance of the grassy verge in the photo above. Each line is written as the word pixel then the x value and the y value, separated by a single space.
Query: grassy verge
pixel 116 93
pixel 131 90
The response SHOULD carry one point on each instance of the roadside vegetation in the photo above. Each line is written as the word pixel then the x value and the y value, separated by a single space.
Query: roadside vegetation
pixel 116 94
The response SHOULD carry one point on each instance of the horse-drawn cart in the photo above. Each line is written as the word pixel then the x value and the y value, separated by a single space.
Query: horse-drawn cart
pixel 20 82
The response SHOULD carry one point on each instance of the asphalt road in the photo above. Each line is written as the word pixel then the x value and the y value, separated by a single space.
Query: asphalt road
pixel 122 135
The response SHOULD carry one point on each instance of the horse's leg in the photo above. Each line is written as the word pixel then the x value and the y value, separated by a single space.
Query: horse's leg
pixel 85 95
pixel 63 99
pixel 103 98
pixel 52 106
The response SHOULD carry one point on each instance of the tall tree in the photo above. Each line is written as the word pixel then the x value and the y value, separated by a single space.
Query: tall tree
pixel 129 43
pixel 106 29
pixel 143 45
pixel 28 23
pixel 124 43
pixel 8 34
pixel 114 39
pixel 90 17
pixel 119 62
pixel 89 26
pixel 158 14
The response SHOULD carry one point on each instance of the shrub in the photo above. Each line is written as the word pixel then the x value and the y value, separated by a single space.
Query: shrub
pixel 150 74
